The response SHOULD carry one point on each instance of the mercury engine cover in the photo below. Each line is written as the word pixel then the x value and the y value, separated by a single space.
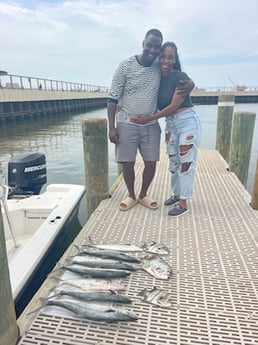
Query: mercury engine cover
pixel 27 173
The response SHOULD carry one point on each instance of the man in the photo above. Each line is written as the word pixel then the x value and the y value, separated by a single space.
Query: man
pixel 135 88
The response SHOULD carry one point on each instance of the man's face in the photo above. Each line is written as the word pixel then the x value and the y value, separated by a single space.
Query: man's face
pixel 151 48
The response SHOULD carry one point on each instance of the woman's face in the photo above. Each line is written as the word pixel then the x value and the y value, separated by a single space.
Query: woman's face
pixel 167 60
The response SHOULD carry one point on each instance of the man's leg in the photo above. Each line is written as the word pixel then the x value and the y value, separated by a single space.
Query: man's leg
pixel 129 178
pixel 147 177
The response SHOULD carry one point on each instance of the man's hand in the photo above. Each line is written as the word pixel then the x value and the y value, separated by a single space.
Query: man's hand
pixel 113 135
pixel 186 88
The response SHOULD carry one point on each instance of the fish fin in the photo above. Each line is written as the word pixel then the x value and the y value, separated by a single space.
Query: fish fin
pixel 113 292
pixel 90 240
pixel 145 246
pixel 77 247
pixel 87 245
pixel 142 292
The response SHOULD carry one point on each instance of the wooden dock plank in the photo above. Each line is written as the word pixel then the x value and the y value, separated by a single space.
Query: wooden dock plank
pixel 214 258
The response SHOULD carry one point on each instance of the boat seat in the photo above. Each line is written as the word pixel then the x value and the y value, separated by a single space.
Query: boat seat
pixel 39 207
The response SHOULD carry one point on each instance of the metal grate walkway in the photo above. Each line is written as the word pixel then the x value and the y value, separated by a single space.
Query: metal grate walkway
pixel 214 258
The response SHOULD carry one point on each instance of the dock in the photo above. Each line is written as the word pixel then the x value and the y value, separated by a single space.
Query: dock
pixel 214 261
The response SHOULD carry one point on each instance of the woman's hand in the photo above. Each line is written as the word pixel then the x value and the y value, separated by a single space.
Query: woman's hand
pixel 186 88
pixel 141 119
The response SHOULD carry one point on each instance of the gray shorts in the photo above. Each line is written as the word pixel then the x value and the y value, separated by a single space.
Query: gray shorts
pixel 146 138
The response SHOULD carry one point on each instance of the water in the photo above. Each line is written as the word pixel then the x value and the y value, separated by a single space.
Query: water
pixel 60 139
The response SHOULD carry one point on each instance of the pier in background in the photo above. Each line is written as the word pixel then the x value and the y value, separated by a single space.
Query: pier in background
pixel 24 96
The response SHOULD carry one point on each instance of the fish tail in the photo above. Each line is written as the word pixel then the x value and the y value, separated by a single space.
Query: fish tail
pixel 56 294
pixel 69 260
pixel 58 267
pixel 44 301
pixel 56 278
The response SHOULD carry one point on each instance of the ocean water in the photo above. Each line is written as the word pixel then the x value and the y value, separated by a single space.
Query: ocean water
pixel 60 139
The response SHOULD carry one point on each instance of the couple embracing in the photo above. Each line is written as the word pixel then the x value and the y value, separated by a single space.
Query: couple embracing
pixel 144 88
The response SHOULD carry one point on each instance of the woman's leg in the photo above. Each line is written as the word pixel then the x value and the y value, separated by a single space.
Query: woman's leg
pixel 174 161
pixel 189 128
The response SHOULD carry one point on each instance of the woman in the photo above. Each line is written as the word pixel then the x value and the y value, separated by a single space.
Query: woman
pixel 182 129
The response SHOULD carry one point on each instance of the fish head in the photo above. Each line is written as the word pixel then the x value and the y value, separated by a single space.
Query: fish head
pixel 157 248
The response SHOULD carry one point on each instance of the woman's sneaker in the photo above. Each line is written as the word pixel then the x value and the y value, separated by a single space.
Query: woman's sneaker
pixel 171 201
pixel 178 211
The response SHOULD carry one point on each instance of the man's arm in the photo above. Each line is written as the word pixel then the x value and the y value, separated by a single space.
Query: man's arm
pixel 111 109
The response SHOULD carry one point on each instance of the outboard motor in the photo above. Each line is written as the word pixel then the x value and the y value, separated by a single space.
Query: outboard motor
pixel 27 173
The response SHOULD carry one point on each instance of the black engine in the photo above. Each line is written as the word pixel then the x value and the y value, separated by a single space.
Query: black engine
pixel 27 174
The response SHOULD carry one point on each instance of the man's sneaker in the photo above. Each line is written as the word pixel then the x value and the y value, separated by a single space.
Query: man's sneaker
pixel 178 211
pixel 171 201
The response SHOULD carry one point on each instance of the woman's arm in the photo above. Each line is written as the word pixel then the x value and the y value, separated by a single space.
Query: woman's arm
pixel 171 109
pixel 177 99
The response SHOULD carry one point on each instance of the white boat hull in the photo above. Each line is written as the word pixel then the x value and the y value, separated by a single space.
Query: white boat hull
pixel 43 226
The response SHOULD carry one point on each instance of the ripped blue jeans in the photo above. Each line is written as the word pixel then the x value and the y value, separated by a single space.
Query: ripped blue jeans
pixel 183 132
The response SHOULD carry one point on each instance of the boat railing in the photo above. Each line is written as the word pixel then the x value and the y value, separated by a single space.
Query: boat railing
pixel 3 199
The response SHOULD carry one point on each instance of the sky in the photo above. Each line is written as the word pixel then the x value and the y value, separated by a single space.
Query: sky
pixel 84 41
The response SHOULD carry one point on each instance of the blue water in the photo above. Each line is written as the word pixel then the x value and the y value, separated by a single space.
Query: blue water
pixel 60 139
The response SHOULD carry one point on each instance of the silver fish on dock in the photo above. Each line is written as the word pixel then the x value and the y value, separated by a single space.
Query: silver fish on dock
pixel 92 284
pixel 100 263
pixel 120 247
pixel 107 254
pixel 157 267
pixel 157 297
pixel 94 272
pixel 156 248
pixel 103 296
pixel 95 312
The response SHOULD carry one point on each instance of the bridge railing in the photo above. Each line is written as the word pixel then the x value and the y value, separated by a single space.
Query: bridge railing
pixel 12 81
pixel 222 89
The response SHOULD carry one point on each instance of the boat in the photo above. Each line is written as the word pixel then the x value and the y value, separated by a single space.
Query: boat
pixel 38 226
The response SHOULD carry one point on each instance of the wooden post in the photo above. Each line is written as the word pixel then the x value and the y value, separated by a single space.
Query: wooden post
pixel 8 327
pixel 95 146
pixel 224 124
pixel 241 143
pixel 254 200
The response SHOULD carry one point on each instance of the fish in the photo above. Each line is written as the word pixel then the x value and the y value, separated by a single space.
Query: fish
pixel 95 272
pixel 107 296
pixel 120 247
pixel 94 312
pixel 101 263
pixel 156 248
pixel 92 284
pixel 108 254
pixel 156 267
pixel 157 297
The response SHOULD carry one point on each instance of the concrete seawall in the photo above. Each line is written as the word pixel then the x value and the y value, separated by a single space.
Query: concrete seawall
pixel 17 103
pixel 33 102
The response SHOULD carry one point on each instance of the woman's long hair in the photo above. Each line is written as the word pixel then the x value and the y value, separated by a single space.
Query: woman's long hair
pixel 177 64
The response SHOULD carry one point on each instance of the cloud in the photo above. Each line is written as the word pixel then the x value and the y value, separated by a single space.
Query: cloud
pixel 84 41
